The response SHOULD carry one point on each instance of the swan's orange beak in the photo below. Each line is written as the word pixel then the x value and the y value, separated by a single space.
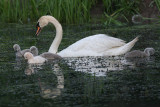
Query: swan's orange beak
pixel 38 30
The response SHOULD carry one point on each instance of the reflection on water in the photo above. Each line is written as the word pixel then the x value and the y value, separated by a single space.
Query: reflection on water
pixel 84 81
pixel 18 61
pixel 99 66
pixel 137 62
pixel 47 90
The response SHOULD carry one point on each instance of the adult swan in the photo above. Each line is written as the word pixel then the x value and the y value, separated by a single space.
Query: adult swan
pixel 96 45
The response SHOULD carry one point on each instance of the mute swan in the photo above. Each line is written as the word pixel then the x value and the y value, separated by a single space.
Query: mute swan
pixel 137 53
pixel 34 60
pixel 96 45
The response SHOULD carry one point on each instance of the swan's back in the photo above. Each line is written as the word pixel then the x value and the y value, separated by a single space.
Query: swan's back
pixel 92 46
pixel 97 43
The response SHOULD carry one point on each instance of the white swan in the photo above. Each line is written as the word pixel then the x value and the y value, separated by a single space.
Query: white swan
pixel 96 45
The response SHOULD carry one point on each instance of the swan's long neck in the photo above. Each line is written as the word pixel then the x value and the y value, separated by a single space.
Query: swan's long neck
pixel 55 44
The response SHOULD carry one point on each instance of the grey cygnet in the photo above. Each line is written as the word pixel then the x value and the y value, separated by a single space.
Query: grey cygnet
pixel 137 53
pixel 46 55
pixel 20 53
pixel 51 56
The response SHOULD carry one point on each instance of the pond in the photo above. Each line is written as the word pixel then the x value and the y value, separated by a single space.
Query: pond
pixel 82 81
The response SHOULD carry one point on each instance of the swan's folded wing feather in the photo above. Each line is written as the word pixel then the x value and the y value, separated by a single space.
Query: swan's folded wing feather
pixel 96 43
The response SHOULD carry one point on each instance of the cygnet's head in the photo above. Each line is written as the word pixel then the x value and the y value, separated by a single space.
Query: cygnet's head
pixel 34 50
pixel 149 51
pixel 16 47
pixel 28 55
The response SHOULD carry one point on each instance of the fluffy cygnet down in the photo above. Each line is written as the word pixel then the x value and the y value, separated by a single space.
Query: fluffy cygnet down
pixel 20 53
pixel 50 56
pixel 34 50
pixel 34 60
pixel 137 53
pixel 47 55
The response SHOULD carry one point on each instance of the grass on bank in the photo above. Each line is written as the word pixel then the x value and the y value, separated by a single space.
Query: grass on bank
pixel 69 11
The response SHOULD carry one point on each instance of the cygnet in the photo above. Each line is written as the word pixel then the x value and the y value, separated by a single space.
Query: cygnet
pixel 47 55
pixel 137 53
pixel 50 56
pixel 34 50
pixel 34 60
pixel 20 53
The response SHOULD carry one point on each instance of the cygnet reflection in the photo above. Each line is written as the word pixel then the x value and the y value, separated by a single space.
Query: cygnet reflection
pixel 48 91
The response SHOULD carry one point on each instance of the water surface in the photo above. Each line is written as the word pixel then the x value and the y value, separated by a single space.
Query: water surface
pixel 83 81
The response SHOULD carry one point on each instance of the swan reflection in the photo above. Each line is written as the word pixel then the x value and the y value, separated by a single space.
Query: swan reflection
pixel 48 90
pixel 99 66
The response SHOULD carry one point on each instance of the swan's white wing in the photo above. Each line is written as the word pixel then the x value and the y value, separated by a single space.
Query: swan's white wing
pixel 96 43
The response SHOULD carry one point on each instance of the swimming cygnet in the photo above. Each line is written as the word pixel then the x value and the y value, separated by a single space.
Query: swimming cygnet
pixel 137 53
pixel 34 60
pixel 50 56
pixel 20 53
pixel 34 50
pixel 47 55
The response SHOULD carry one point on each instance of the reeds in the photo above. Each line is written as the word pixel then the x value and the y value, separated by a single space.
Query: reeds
pixel 67 11
pixel 120 9
pixel 157 3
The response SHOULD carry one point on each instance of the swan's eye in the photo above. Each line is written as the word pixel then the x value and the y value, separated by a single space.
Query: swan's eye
pixel 37 25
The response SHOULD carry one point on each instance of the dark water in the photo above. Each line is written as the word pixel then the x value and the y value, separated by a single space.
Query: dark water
pixel 85 81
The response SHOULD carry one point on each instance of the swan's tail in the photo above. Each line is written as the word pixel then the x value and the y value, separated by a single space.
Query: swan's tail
pixel 121 50
pixel 127 47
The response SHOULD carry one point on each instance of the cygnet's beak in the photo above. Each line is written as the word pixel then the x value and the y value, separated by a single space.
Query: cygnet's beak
pixel 38 31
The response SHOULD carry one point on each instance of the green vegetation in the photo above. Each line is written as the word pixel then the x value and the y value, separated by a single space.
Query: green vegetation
pixel 68 11
pixel 157 3
pixel 116 12
pixel 122 9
